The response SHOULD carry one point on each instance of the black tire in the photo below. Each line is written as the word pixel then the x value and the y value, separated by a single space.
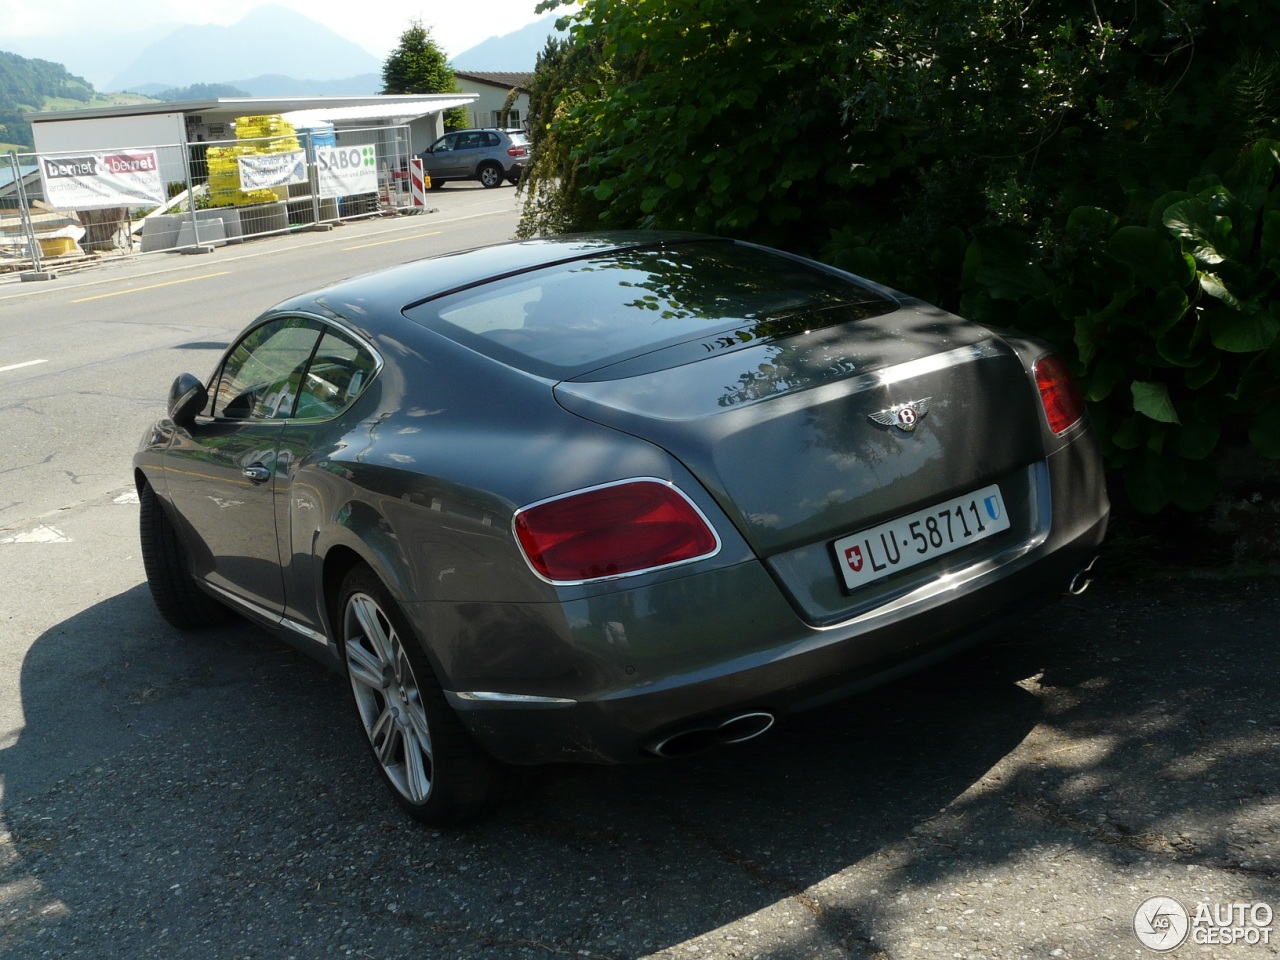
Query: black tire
pixel 490 175
pixel 182 603
pixel 435 770
pixel 437 184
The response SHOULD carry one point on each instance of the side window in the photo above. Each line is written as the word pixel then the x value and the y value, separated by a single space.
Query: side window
pixel 444 144
pixel 338 373
pixel 261 376
pixel 491 140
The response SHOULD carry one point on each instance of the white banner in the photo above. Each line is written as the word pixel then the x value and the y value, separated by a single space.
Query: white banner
pixel 345 171
pixel 89 181
pixel 261 170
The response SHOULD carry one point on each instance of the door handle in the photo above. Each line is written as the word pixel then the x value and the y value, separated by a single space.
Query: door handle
pixel 257 473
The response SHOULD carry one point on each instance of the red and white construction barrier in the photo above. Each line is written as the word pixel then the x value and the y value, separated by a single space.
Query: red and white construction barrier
pixel 418 182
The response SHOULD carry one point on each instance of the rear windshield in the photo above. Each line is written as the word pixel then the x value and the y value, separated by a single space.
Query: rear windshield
pixel 564 320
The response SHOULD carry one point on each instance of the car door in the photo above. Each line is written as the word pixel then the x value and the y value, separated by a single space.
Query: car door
pixel 467 154
pixel 222 473
pixel 441 160
pixel 340 370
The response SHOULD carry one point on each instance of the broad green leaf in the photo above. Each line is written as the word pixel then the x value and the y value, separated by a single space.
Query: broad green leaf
pixel 1236 332
pixel 1169 307
pixel 1151 254
pixel 1194 222
pixel 1015 281
pixel 1183 343
pixel 1103 379
pixel 1092 220
pixel 1271 241
pixel 1131 433
pixel 1152 400
pixel 1197 439
pixel 1201 375
pixel 1163 203
pixel 1214 287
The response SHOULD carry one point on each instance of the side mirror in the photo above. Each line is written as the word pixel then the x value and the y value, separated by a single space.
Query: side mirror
pixel 187 397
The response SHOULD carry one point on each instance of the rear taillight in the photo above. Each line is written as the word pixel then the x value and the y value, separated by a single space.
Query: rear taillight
pixel 516 151
pixel 1063 404
pixel 613 530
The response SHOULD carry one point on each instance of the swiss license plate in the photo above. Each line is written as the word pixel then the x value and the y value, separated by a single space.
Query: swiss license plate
pixel 900 544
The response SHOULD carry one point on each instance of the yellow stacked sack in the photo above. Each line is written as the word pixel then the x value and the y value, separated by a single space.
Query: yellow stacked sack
pixel 269 134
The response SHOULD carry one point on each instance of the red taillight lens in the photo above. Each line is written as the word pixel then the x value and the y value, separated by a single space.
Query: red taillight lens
pixel 1063 404
pixel 612 530
pixel 516 151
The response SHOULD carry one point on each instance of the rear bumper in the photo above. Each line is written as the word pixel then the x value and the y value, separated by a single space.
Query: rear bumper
pixel 809 667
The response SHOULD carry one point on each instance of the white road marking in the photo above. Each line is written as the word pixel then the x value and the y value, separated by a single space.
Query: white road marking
pixel 18 366
pixel 41 534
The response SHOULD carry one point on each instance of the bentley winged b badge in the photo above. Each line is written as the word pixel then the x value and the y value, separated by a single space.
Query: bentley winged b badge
pixel 904 416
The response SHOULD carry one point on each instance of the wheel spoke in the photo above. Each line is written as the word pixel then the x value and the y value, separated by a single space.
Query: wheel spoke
pixel 368 614
pixel 417 778
pixel 363 666
pixel 418 722
pixel 384 734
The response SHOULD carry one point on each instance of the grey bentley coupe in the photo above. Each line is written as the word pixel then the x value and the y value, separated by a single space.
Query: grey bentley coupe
pixel 615 496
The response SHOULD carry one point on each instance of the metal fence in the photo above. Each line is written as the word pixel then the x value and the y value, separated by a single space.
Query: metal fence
pixel 205 203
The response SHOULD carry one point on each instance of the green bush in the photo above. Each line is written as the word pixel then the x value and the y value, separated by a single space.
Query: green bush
pixel 1173 324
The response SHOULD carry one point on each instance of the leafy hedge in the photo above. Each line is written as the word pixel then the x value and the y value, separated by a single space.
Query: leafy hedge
pixel 1174 323
pixel 1080 171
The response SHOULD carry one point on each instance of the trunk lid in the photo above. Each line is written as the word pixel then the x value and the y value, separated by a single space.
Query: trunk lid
pixel 784 434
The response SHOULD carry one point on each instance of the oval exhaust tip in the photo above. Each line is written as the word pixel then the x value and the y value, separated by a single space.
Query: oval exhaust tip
pixel 735 729
pixel 745 727
pixel 1081 581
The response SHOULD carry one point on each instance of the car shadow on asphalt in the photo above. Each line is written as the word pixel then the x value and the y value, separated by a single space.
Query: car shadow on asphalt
pixel 228 767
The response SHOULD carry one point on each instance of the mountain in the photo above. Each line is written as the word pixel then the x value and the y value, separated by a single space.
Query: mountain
pixel 272 85
pixel 27 85
pixel 516 51
pixel 268 40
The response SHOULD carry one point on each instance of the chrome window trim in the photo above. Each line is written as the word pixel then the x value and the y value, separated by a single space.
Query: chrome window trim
pixel 325 322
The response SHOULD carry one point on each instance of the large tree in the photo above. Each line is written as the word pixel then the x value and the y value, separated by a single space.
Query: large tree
pixel 418 65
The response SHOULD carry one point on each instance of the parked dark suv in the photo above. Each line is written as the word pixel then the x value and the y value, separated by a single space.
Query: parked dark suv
pixel 489 156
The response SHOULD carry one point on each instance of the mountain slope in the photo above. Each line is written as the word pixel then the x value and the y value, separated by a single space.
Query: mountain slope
pixel 27 85
pixel 517 51
pixel 267 40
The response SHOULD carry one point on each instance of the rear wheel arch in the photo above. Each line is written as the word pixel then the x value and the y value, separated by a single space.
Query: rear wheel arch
pixel 408 724
pixel 338 562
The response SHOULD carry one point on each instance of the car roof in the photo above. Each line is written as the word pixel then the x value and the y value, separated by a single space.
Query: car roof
pixel 393 289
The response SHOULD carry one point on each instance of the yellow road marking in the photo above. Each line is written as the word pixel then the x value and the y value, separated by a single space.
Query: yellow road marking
pixel 378 243
pixel 167 283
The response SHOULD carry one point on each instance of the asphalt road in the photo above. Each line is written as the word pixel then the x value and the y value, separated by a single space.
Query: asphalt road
pixel 209 795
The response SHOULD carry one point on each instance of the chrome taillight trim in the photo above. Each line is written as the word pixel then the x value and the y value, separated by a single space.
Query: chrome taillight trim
pixel 630 573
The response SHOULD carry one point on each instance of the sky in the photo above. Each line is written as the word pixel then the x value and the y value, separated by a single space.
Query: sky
pixel 34 29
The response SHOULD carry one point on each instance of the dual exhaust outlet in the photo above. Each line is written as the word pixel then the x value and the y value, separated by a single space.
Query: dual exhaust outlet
pixel 713 733
pixel 741 727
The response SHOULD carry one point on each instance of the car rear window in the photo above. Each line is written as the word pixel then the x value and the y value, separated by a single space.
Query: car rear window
pixel 563 320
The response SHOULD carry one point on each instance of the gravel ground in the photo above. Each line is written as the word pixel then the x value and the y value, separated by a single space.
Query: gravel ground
pixel 210 796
